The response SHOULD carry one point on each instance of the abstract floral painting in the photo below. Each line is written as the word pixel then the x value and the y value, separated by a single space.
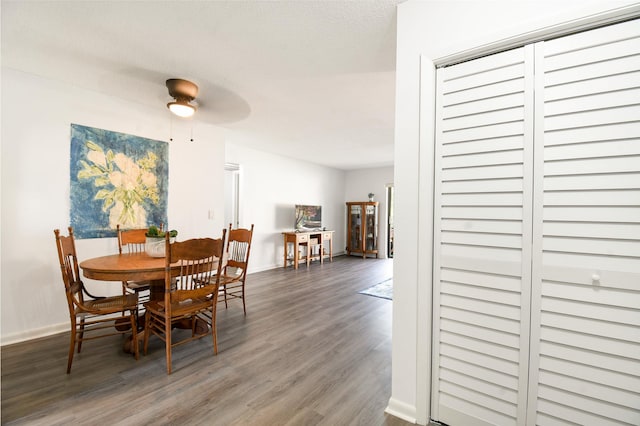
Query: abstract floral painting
pixel 116 179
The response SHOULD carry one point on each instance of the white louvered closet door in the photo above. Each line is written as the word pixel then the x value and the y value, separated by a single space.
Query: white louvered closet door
pixel 537 263
pixel 585 367
pixel 482 233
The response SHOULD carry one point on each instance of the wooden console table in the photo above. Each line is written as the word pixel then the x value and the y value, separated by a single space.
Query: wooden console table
pixel 314 240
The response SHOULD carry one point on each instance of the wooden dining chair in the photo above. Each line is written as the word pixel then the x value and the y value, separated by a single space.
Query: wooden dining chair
pixel 189 297
pixel 234 274
pixel 92 317
pixel 133 241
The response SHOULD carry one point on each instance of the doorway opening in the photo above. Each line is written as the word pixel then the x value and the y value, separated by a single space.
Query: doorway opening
pixel 390 220
pixel 232 194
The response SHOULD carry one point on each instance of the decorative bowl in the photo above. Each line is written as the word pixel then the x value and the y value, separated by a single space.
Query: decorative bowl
pixel 155 246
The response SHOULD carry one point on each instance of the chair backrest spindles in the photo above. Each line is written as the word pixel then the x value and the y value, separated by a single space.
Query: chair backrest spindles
pixel 239 247
pixel 200 262
pixel 131 240
pixel 238 250
pixel 69 267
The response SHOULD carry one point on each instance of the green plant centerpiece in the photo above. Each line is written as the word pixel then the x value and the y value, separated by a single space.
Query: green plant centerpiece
pixel 155 243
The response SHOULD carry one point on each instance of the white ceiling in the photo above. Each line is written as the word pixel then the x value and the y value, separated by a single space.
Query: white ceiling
pixel 313 80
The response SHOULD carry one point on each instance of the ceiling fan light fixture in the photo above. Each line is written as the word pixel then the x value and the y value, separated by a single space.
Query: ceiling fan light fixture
pixel 184 92
pixel 181 108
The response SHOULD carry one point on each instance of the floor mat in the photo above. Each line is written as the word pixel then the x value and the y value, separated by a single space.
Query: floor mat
pixel 383 290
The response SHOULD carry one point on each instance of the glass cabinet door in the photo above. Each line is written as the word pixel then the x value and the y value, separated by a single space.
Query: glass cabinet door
pixel 362 228
pixel 355 227
pixel 371 230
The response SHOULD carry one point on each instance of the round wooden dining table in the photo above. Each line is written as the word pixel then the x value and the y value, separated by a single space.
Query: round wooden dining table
pixel 132 267
pixel 128 267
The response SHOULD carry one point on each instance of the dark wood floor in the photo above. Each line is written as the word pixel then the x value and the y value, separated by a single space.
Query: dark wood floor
pixel 311 351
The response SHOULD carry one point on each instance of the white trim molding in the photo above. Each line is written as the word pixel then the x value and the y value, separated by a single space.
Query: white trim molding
pixel 49 330
pixel 401 410
pixel 545 33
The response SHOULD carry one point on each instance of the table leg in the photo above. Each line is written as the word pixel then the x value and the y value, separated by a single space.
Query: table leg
pixel 286 251
pixel 128 345
pixel 156 292
pixel 331 249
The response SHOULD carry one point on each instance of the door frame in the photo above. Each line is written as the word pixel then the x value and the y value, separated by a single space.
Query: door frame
pixel 232 196
pixel 389 220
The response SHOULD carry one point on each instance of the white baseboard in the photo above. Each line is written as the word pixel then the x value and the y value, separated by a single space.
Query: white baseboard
pixel 60 328
pixel 34 334
pixel 262 268
pixel 401 410
pixel 279 265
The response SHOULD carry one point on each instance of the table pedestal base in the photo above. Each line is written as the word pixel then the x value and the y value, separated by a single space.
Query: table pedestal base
pixel 201 328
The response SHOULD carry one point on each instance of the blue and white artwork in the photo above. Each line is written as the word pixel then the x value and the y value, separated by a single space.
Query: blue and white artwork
pixel 116 179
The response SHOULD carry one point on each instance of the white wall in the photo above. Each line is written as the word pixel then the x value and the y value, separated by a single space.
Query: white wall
pixel 270 187
pixel 36 118
pixel 435 29
pixel 359 183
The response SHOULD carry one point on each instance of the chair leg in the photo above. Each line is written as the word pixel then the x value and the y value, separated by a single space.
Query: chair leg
pixel 140 306
pixel 72 345
pixel 224 288
pixel 167 331
pixel 244 306
pixel 80 334
pixel 134 334
pixel 137 301
pixel 147 321
pixel 214 331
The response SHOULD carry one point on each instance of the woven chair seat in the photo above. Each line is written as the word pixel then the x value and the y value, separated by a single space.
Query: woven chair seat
pixel 181 309
pixel 112 304
pixel 230 278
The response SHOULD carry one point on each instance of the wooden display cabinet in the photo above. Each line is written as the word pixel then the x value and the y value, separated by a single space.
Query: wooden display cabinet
pixel 362 228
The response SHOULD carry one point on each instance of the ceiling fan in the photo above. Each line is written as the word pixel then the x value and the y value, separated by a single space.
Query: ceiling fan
pixel 184 92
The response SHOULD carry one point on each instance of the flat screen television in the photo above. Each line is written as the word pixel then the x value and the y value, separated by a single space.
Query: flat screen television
pixel 308 218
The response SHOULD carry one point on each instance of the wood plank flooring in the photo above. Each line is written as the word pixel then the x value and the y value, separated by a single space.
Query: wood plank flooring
pixel 311 351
